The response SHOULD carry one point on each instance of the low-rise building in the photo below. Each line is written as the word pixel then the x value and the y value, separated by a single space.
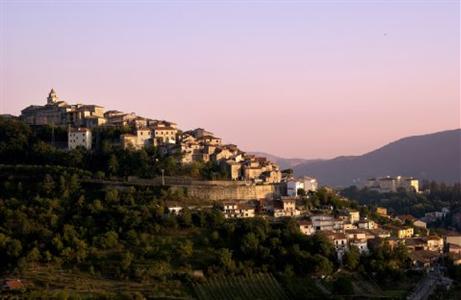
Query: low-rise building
pixel 381 211
pixel 404 232
pixel 367 224
pixel 285 207
pixel 234 210
pixel 306 227
pixel 361 244
pixel 142 139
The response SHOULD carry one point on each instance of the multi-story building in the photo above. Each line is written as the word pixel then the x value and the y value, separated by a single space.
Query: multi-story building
pixel 308 184
pixel 79 137
pixel 164 134
pixel 393 184
pixel 323 222
pixel 58 113
pixel 354 216
pixel 285 207
pixel 140 140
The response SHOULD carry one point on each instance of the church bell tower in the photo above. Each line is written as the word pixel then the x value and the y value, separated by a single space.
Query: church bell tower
pixel 52 97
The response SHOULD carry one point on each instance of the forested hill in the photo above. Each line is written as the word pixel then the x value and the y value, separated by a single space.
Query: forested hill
pixel 434 156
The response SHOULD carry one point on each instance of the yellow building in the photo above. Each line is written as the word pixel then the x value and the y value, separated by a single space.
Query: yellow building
pixel 405 232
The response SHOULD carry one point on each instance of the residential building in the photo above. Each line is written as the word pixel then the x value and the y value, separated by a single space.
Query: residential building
pixel 323 222
pixel 354 216
pixel 306 227
pixel 140 140
pixel 381 211
pixel 79 137
pixel 293 186
pixel 405 232
pixel 163 134
pixel 233 209
pixel 419 223
pixel 367 224
pixel 310 184
pixel 285 207
pixel 393 184
pixel 361 244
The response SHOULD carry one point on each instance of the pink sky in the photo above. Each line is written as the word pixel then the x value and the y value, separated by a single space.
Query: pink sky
pixel 295 79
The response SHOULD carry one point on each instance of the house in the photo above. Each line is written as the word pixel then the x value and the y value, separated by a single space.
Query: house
pixel 381 211
pixel 306 227
pixel 339 241
pixel 423 259
pixel 455 249
pixel 434 243
pixel 453 238
pixel 142 139
pixel 234 209
pixel 232 169
pixel 419 223
pixel 79 137
pixel 356 234
pixel 285 207
pixel 293 186
pixel 380 233
pixel 310 184
pixel 163 134
pixel 405 232
pixel 323 222
pixel 305 183
pixel 401 232
pixel 12 284
pixel 354 216
pixel 367 224
pixel 174 208
pixel 361 244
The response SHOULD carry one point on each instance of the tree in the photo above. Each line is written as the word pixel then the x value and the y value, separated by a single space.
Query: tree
pixel 13 248
pixel 185 249
pixel 112 165
pixel 249 244
pixel 48 185
pixel 225 259
pixel 351 258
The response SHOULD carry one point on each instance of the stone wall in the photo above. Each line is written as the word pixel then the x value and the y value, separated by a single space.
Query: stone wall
pixel 230 192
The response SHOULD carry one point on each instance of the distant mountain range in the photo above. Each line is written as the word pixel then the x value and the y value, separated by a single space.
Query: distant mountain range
pixel 435 156
pixel 284 163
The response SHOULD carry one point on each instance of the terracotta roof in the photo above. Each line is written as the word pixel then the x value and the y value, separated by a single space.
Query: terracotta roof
pixel 13 284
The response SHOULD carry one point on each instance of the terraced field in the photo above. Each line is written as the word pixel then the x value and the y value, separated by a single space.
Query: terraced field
pixel 258 286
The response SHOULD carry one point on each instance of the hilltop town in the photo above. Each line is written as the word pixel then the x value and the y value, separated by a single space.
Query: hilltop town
pixel 198 145
pixel 124 197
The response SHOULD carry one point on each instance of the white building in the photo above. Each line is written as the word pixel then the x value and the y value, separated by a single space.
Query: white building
pixel 79 137
pixel 293 186
pixel 236 210
pixel 308 184
pixel 393 184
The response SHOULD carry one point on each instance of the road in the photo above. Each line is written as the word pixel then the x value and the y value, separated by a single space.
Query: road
pixel 427 285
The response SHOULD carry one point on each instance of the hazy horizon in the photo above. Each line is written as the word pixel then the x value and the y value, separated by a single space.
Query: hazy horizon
pixel 294 79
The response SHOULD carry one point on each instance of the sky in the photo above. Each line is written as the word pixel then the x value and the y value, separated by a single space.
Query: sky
pixel 308 79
